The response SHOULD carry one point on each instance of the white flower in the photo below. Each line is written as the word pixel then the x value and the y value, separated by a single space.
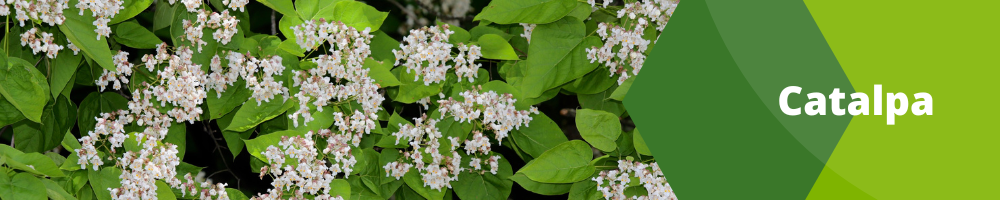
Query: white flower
pixel 497 111
pixel 44 43
pixel 46 11
pixel 628 40
pixel 531 27
pixel 104 11
pixel 430 45
pixel 649 176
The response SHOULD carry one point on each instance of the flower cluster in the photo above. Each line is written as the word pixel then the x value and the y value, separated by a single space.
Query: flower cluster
pixel 649 176
pixel 430 45
pixel 496 110
pixel 236 4
pixel 338 76
pixel 306 174
pixel 44 44
pixel 109 125
pixel 46 11
pixel 527 31
pixel 263 88
pixel 628 39
pixel 480 144
pixel 104 11
pixel 181 83
pixel 225 25
pixel 123 69
pixel 424 137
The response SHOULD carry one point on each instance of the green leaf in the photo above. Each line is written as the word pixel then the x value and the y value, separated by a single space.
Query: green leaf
pixel 63 69
pixel 96 103
pixel 252 114
pixel 557 56
pixel 21 186
pixel 355 14
pixel 235 194
pixel 585 190
pixel 177 135
pixel 411 90
pixel 133 35
pixel 257 145
pixel 596 81
pixel 57 119
pixel 282 6
pixel 602 101
pixel 80 30
pixel 479 31
pixel 132 8
pixel 219 106
pixel 640 144
pixel 340 187
pixel 379 71
pixel 413 180
pixel 526 11
pixel 541 188
pixel 622 90
pixel 460 36
pixel 69 142
pixel 389 141
pixel 539 136
pixel 102 180
pixel 566 163
pixel 599 128
pixel 292 47
pixel 581 12
pixel 34 163
pixel 308 8
pixel 495 47
pixel 382 46
pixel 8 113
pixel 163 191
pixel 163 16
pixel 473 185
pixel 55 192
pixel 24 87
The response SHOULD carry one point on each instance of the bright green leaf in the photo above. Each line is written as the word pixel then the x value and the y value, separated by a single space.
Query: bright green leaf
pixel 133 35
pixel 557 56
pixel 640 144
pixel 132 8
pixel 21 186
pixel 599 128
pixel 252 114
pixel 566 163
pixel 80 30
pixel 495 47
pixel 539 136
pixel 24 87
pixel 487 186
pixel 526 11
pixel 541 188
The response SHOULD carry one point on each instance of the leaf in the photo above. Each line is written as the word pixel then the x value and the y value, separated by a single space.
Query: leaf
pixel 63 69
pixel 133 35
pixel 132 8
pixel 24 87
pixel 389 141
pixel 57 119
pixel 257 145
pixel 602 101
pixel 177 135
pixel 104 179
pixel 622 90
pixel 596 81
pixel 541 188
pixel 235 194
pixel 411 90
pixel 526 11
pixel 80 30
pixel 34 163
pixel 308 8
pixel 251 114
pixel 558 55
pixel 340 187
pixel 473 185
pixel 413 180
pixel 640 144
pixel 219 106
pixel 479 31
pixel 539 136
pixel 96 103
pixel 459 36
pixel 581 12
pixel 566 163
pixel 163 16
pixel 599 128
pixel 585 190
pixel 55 192
pixel 8 113
pixel 21 186
pixel 355 14
pixel 163 191
pixel 495 47
pixel 379 71
pixel 382 46
pixel 282 6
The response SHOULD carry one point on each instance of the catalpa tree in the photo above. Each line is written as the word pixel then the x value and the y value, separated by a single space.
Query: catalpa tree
pixel 325 99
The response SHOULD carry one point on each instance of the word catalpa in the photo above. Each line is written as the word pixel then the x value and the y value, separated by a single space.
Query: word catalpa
pixel 859 106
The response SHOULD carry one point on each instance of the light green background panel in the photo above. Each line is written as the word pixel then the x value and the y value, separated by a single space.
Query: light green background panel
pixel 946 48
